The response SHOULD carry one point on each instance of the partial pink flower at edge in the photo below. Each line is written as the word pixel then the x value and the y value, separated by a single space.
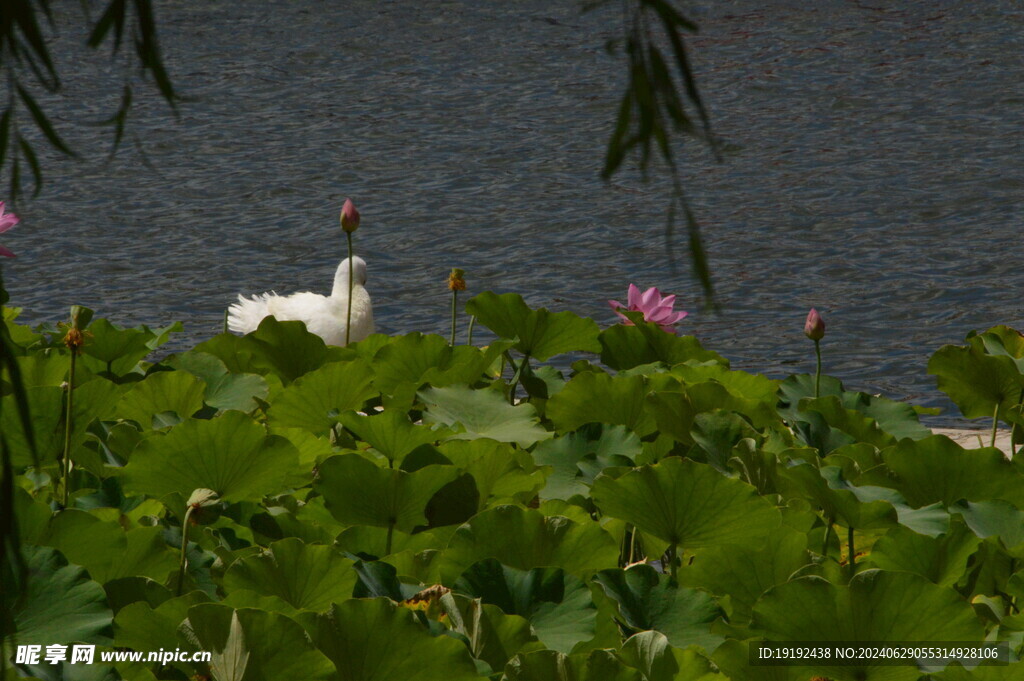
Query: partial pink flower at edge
pixel 7 221
pixel 655 307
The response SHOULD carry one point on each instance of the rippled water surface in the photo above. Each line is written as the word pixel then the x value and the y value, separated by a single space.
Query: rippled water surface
pixel 872 168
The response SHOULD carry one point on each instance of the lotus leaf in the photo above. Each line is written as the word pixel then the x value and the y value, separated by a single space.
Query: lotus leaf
pixel 599 398
pixel 482 414
pixel 315 401
pixel 539 333
pixel 687 504
pixel 361 638
pixel 230 454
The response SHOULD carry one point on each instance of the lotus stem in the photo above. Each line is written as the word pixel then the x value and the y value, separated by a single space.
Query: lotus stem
pixel 351 272
pixel 68 425
pixel 516 377
pixel 817 372
pixel 472 322
pixel 387 542
pixel 632 546
pixel 828 534
pixel 853 554
pixel 995 425
pixel 455 299
pixel 225 321
pixel 183 563
pixel 672 563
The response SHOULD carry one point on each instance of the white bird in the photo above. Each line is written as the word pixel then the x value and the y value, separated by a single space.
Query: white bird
pixel 326 316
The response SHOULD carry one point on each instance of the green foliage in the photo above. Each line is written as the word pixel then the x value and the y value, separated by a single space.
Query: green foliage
pixel 383 511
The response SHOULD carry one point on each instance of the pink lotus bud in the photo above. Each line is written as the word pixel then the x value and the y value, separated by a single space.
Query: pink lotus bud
pixel 814 327
pixel 349 216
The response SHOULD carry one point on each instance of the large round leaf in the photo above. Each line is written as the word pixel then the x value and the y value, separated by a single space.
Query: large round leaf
pixel 624 347
pixel 252 645
pixel 977 382
pixel 59 605
pixel 375 640
pixel 745 571
pixel 839 500
pixel 650 652
pixel 314 401
pixel 307 577
pixel 577 458
pixel 647 600
pixel 936 469
pixel 941 559
pixel 482 413
pixel 286 349
pixel 876 606
pixel 525 539
pixel 223 390
pixel 558 606
pixel 358 492
pixel 406 363
pixel 494 636
pixel 164 391
pixel 231 455
pixel 107 551
pixel 687 504
pixel 539 333
pixel 390 433
pixel 596 397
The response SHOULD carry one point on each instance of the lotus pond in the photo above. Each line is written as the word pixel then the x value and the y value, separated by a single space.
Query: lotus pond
pixel 406 509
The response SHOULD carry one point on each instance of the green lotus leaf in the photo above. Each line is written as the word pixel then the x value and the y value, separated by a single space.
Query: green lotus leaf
pixel 551 665
pixel 482 414
pixel 540 334
pixel 577 458
pixel 390 433
pixel 176 391
pixel 51 369
pixel 58 605
pixel 93 399
pixel 46 405
pixel 315 401
pixel 592 397
pixel 850 421
pixel 375 640
pixel 673 414
pixel 415 359
pixel 733 659
pixel 367 540
pixel 126 590
pixel 651 653
pixel 502 474
pixel 993 519
pixel 284 349
pixel 647 600
pixel 140 626
pixel 626 347
pixel 107 551
pixel 942 559
pixel 711 395
pixel 358 492
pixel 745 571
pixel 936 469
pixel 493 635
pixel 686 504
pixel 557 605
pixel 740 383
pixel 1013 672
pixel 253 645
pixel 977 382
pixel 308 577
pixel 119 351
pixel 898 419
pixel 876 606
pixel 231 454
pixel 224 390
pixel 525 539
pixel 838 500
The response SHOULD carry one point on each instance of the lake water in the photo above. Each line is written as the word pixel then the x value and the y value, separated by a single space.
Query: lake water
pixel 872 168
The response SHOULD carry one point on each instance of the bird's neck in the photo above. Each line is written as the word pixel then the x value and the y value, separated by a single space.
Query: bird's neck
pixel 340 289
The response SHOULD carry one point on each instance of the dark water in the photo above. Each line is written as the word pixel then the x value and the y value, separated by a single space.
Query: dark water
pixel 873 168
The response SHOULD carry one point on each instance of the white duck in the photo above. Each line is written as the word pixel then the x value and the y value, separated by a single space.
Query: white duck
pixel 326 316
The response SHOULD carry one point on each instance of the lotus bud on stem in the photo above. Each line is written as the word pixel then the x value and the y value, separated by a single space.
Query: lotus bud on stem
pixel 456 283
pixel 814 328
pixel 349 223
pixel 74 340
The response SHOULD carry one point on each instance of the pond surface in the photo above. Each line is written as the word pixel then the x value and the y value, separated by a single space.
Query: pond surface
pixel 872 169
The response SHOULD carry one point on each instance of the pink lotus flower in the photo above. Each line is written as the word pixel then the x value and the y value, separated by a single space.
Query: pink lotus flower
pixel 349 216
pixel 656 308
pixel 814 327
pixel 6 222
